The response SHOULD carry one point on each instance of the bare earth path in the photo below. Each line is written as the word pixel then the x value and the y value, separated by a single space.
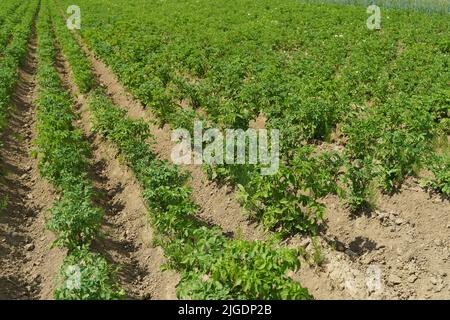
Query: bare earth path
pixel 399 251
pixel 217 203
pixel 28 266
pixel 128 235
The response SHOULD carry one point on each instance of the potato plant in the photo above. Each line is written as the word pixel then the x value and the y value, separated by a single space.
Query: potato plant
pixel 367 89
pixel 64 160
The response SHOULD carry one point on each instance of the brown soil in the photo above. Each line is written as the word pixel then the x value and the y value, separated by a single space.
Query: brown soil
pixel 128 237
pixel 217 203
pixel 398 251
pixel 28 266
pixel 259 123
pixel 406 239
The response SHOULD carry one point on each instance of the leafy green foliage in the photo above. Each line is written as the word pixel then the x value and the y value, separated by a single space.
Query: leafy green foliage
pixel 312 82
pixel 81 70
pixel 308 79
pixel 386 144
pixel 87 276
pixel 14 34
pixel 287 202
pixel 243 270
pixel 63 160
pixel 63 153
pixel 75 220
pixel 430 6
pixel 233 269
pixel 440 167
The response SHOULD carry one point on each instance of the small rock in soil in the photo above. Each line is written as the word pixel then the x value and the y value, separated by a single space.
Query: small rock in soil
pixel 14 234
pixel 438 242
pixel 340 246
pixel 412 279
pixel 433 280
pixel 394 279
pixel 305 242
pixel 29 247
pixel 382 215
pixel 351 254
pixel 147 296
pixel 438 289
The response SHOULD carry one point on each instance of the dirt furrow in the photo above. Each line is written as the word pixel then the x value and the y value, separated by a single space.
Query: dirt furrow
pixel 400 250
pixel 128 236
pixel 217 203
pixel 28 266
pixel 407 237
pixel 367 260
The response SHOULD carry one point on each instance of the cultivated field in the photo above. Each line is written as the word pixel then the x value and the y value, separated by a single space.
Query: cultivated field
pixel 94 204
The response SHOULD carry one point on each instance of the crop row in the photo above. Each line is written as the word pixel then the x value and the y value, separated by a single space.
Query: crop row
pixel 17 30
pixel 430 6
pixel 11 20
pixel 64 160
pixel 7 8
pixel 316 80
pixel 227 101
pixel 211 265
